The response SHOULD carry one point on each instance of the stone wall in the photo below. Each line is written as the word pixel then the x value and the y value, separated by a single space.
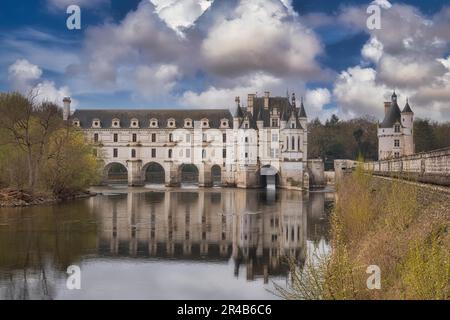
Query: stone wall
pixel 316 171
pixel 429 167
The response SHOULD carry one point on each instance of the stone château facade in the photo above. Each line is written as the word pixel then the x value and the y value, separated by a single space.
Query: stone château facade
pixel 264 143
pixel 395 133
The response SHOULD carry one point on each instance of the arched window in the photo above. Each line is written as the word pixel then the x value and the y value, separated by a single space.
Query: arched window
pixel 287 143
pixel 293 142
pixel 203 153
pixel 170 153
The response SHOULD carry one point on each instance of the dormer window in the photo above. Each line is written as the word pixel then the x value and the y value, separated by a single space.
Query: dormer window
pixel 293 125
pixel 153 123
pixel 397 128
pixel 188 123
pixel 96 123
pixel 171 123
pixel 76 122
pixel 274 122
pixel 134 123
pixel 224 123
pixel 116 123
pixel 205 123
pixel 246 126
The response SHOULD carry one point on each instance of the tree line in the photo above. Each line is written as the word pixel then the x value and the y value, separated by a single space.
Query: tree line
pixel 41 153
pixel 350 139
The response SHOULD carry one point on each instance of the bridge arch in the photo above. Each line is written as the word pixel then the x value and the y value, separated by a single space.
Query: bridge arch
pixel 269 176
pixel 153 173
pixel 216 175
pixel 189 174
pixel 115 173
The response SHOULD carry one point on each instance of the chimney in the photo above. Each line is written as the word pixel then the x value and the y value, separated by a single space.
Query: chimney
pixel 266 100
pixel 250 102
pixel 66 108
pixel 387 105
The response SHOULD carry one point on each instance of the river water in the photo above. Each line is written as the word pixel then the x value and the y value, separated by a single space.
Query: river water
pixel 161 244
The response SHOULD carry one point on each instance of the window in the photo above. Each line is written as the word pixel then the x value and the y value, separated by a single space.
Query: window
pixel 224 153
pixel 203 154
pixel 170 154
pixel 299 144
pixel 188 153
pixel 204 137
pixel 116 137
pixel 134 137
pixel 153 137
pixel 287 143
pixel 153 153
pixel 293 143
pixel 396 143
pixel 170 137
pixel 115 153
pixel 246 155
pixel 188 138
pixel 95 137
pixel 171 123
pixel 397 154
pixel 116 123
pixel 153 123
pixel 274 122
pixel 187 123
pixel 246 139
pixel 274 137
pixel 134 123
pixel 292 125
pixel 246 125
pixel 133 153
pixel 397 128
pixel 224 137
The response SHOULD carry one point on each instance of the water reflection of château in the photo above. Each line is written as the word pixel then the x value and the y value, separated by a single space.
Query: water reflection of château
pixel 258 229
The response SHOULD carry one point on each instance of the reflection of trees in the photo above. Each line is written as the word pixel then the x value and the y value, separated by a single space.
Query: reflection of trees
pixel 38 244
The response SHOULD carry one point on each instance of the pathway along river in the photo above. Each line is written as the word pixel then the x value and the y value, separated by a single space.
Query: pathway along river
pixel 157 244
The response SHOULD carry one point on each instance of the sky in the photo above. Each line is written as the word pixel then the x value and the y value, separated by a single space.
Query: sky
pixel 204 53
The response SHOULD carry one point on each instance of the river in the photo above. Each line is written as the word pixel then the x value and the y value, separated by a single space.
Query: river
pixel 161 244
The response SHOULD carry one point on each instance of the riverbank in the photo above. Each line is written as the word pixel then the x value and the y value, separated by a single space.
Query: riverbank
pixel 20 198
pixel 401 228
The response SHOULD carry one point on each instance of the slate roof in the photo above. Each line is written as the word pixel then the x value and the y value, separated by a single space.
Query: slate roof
pixel 106 117
pixel 284 106
pixel 392 116
pixel 407 108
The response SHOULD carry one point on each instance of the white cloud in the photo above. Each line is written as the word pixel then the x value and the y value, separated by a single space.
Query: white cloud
pixel 215 97
pixel 385 4
pixel 315 100
pixel 26 77
pixel 372 50
pixel 22 73
pixel 156 82
pixel 261 35
pixel 180 14
pixel 357 93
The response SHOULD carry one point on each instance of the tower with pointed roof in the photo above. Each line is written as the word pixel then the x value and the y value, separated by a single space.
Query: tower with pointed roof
pixel 395 132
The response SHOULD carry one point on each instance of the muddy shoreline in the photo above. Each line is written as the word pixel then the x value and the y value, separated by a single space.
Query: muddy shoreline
pixel 14 198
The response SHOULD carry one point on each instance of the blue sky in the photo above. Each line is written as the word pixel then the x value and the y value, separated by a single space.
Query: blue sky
pixel 185 53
